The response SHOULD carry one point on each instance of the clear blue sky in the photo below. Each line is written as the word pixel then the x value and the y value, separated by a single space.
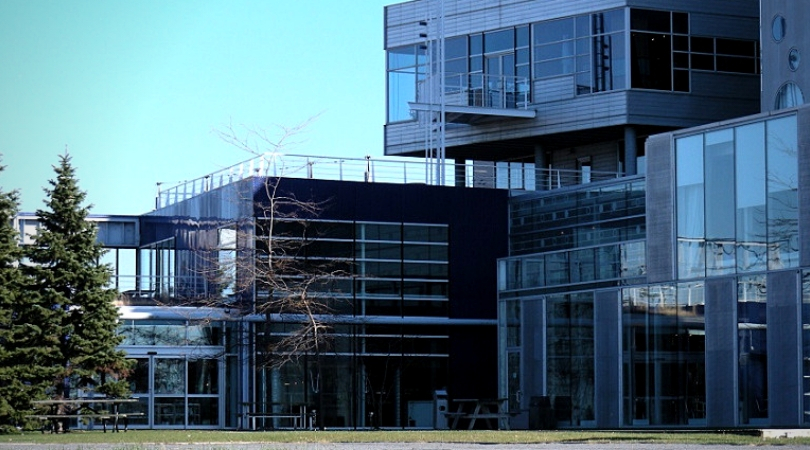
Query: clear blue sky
pixel 134 89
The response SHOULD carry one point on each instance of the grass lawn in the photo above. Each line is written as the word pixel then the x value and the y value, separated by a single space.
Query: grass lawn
pixel 132 438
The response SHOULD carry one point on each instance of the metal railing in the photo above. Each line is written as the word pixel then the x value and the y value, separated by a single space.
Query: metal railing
pixel 395 170
pixel 478 89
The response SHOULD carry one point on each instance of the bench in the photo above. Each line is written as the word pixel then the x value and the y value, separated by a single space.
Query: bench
pixel 295 418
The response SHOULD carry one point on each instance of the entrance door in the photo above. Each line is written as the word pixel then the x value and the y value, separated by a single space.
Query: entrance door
pixel 177 392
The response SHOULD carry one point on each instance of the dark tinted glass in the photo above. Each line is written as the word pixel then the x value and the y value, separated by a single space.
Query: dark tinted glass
pixel 680 23
pixel 736 47
pixel 702 62
pixel 702 45
pixel 649 20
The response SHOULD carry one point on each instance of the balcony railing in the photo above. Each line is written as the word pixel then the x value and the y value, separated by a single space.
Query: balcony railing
pixel 486 91
pixel 482 174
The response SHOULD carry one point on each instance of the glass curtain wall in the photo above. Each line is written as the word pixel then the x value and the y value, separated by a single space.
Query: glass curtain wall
pixel 370 374
pixel 752 349
pixel 179 382
pixel 590 47
pixel 737 199
pixel 570 357
pixel 663 355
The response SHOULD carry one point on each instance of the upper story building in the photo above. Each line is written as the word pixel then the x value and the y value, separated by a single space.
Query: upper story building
pixel 575 85
pixel 784 37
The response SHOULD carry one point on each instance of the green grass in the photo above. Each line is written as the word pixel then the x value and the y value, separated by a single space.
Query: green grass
pixel 136 439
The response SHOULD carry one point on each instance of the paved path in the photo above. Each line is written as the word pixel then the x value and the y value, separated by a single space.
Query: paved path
pixel 389 446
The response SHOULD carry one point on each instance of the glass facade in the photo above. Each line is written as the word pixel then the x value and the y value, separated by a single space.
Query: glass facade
pixel 590 48
pixel 604 213
pixel 737 199
pixel 372 373
pixel 752 327
pixel 736 224
pixel 663 355
pixel 570 357
pixel 179 378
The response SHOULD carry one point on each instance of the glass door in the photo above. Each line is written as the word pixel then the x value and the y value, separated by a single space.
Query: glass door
pixel 500 80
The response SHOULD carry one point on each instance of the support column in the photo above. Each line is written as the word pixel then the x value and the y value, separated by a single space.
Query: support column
pixel 540 168
pixel 630 151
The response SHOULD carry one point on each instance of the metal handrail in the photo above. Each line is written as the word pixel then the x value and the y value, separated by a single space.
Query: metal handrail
pixel 395 170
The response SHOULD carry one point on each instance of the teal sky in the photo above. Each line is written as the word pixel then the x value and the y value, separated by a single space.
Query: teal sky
pixel 135 89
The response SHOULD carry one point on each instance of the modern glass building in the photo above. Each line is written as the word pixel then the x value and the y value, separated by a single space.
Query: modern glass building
pixel 644 262
pixel 408 304
pixel 677 300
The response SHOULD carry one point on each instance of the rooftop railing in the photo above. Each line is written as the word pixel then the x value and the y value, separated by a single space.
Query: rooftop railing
pixel 394 170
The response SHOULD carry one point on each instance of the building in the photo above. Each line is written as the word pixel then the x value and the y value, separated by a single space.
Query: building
pixel 566 91
pixel 644 263
pixel 412 308
pixel 671 295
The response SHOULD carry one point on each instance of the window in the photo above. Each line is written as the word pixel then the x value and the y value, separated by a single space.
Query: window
pixel 794 58
pixel 788 96
pixel 405 69
pixel 778 28
pixel 590 47
pixel 737 199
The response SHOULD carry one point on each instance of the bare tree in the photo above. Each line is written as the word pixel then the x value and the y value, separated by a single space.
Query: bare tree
pixel 263 264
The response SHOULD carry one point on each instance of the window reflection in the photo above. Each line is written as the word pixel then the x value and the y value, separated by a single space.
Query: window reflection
pixel 783 184
pixel 732 216
pixel 570 357
pixel 752 348
pixel 664 364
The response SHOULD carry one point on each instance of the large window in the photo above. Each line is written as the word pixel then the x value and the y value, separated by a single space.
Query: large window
pixel 405 70
pixel 664 367
pixel 651 39
pixel 752 348
pixel 737 199
pixel 570 357
pixel 591 47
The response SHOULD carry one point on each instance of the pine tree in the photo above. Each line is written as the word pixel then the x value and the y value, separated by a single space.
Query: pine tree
pixel 27 344
pixel 65 262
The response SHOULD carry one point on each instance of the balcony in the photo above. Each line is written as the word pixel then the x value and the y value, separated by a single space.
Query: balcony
pixel 470 98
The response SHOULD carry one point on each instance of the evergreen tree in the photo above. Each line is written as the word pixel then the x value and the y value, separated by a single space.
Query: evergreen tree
pixel 27 342
pixel 65 263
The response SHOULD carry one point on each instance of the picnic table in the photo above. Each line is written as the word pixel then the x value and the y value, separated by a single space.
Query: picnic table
pixel 60 411
pixel 472 409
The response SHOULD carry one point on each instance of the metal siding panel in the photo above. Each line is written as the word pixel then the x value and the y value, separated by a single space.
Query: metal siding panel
pixel 721 352
pixel 803 120
pixel 784 349
pixel 660 209
pixel 607 358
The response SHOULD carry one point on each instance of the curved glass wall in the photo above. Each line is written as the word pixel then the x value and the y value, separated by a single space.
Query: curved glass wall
pixel 737 199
